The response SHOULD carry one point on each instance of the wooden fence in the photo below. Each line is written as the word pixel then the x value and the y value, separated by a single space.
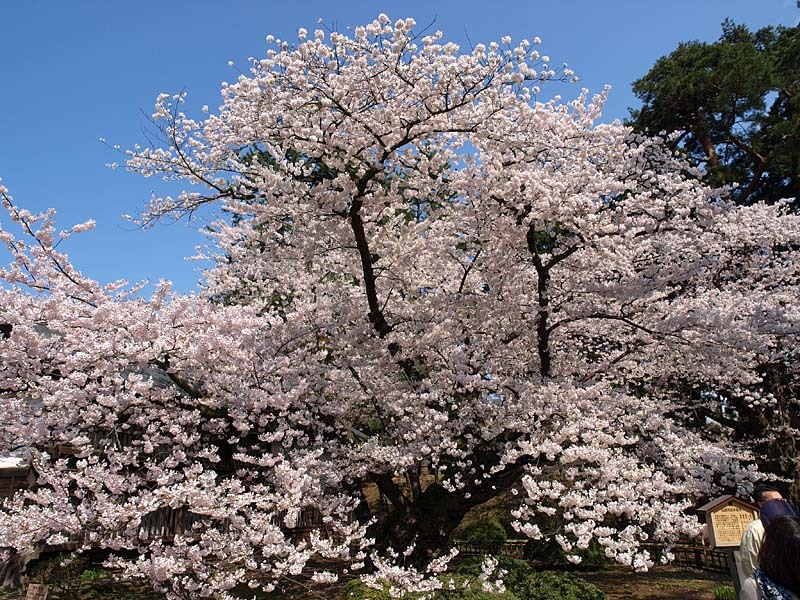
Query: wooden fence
pixel 693 556
pixel 512 548
pixel 165 523
pixel 701 557
pixel 15 479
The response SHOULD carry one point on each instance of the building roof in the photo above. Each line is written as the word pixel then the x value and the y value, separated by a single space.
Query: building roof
pixel 723 501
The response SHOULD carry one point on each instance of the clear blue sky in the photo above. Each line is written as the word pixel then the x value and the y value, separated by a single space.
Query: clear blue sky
pixel 75 71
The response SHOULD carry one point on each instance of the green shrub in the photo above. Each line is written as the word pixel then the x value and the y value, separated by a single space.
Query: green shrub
pixel 356 589
pixel 467 588
pixel 516 571
pixel 93 575
pixel 551 585
pixel 61 571
pixel 526 584
pixel 594 557
pixel 486 536
pixel 724 592
pixel 549 553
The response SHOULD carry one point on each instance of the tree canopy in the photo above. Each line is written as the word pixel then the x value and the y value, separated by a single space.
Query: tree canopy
pixel 732 106
pixel 434 286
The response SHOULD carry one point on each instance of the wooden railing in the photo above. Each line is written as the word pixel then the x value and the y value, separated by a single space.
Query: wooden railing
pixel 512 548
pixel 689 555
pixel 15 479
pixel 701 557
pixel 165 523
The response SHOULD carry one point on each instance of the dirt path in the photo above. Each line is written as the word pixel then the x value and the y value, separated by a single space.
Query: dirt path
pixel 660 583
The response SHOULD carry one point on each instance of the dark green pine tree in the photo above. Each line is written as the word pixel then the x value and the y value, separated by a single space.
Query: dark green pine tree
pixel 733 107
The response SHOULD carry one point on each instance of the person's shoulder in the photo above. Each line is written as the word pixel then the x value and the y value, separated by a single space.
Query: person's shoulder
pixel 756 528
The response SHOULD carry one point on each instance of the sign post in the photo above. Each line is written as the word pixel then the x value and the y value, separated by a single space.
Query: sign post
pixel 37 592
pixel 727 518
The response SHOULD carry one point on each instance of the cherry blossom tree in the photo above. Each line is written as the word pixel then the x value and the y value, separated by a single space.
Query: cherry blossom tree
pixel 431 286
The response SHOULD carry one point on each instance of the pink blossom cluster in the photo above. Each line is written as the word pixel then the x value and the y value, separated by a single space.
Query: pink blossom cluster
pixel 429 280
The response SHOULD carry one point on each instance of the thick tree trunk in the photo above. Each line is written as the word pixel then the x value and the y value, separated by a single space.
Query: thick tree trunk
pixel 12 570
pixel 426 523
pixel 427 520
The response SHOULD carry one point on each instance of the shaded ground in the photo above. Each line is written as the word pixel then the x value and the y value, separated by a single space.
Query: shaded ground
pixel 618 583
pixel 660 583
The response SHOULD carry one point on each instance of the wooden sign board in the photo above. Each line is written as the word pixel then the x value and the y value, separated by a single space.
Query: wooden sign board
pixel 728 525
pixel 727 518
pixel 37 591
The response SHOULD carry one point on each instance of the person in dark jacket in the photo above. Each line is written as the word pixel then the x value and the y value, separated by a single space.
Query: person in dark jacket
pixel 778 573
